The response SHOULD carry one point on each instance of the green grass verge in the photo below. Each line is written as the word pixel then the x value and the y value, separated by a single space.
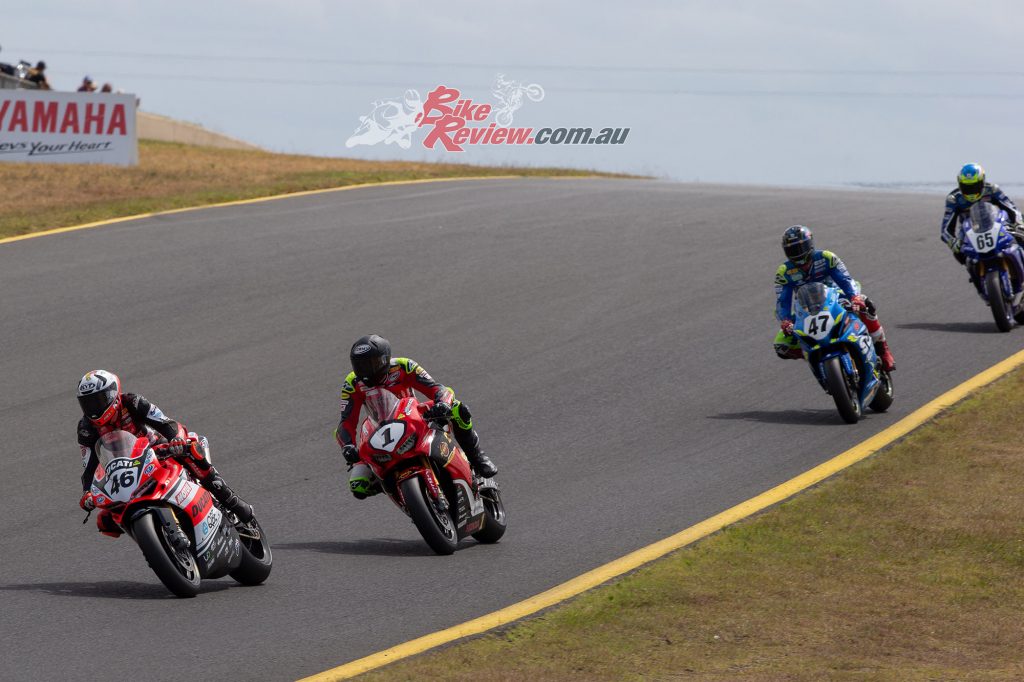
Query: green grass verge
pixel 907 566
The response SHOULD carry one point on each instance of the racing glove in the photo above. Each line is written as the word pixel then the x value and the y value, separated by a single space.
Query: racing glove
pixel 176 447
pixel 787 327
pixel 439 411
pixel 350 453
pixel 87 502
pixel 858 303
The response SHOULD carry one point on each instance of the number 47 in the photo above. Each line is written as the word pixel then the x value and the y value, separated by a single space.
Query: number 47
pixel 813 328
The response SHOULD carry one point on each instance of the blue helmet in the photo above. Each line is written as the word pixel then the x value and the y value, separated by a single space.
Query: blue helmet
pixel 798 243
pixel 971 181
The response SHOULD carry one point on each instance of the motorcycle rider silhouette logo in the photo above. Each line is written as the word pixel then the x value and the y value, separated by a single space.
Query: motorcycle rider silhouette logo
pixel 510 97
pixel 390 121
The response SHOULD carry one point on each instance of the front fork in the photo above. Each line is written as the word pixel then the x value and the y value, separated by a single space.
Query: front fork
pixel 166 517
pixel 1012 263
pixel 849 367
pixel 426 472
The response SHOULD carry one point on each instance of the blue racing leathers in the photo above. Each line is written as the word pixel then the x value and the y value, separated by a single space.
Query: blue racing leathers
pixel 957 207
pixel 825 267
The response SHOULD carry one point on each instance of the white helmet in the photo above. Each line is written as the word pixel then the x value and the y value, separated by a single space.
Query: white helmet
pixel 99 395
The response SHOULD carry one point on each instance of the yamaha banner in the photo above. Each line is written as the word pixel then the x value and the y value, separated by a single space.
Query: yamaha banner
pixel 68 127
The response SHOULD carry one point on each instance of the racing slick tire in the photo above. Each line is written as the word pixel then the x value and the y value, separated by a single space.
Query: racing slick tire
pixel 883 396
pixel 257 558
pixel 177 570
pixel 846 401
pixel 494 517
pixel 436 526
pixel 996 299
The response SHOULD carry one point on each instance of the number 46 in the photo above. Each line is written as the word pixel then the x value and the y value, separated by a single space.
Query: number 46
pixel 127 478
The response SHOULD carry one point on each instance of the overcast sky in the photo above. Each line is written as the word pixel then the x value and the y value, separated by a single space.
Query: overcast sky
pixel 801 93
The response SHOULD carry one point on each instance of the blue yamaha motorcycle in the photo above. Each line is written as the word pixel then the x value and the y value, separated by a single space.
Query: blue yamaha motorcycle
pixel 840 351
pixel 994 261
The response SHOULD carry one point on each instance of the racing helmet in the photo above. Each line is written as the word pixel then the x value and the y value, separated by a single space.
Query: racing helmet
pixel 99 396
pixel 798 243
pixel 971 181
pixel 371 357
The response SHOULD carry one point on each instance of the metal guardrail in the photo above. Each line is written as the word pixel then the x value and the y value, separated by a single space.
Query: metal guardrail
pixel 12 83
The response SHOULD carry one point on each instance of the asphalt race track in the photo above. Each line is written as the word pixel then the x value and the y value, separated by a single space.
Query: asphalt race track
pixel 612 337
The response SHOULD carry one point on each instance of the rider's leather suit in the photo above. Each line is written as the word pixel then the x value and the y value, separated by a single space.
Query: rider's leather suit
pixel 141 418
pixel 404 376
pixel 957 207
pixel 826 267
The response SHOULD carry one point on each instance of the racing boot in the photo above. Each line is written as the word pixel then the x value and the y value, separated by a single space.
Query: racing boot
pixel 227 497
pixel 469 441
pixel 885 355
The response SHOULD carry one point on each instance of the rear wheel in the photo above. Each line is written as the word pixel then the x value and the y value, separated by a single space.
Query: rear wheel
pixel 176 568
pixel 883 397
pixel 997 301
pixel 256 556
pixel 435 525
pixel 494 517
pixel 843 394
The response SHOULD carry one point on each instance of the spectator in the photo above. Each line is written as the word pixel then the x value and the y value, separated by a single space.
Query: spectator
pixel 107 87
pixel 87 85
pixel 38 76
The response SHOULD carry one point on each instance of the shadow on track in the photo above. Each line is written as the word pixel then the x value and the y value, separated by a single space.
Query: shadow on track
pixel 956 327
pixel 812 417
pixel 109 589
pixel 375 547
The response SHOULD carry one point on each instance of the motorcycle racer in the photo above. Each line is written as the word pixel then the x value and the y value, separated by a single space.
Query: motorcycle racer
pixel 373 366
pixel 804 264
pixel 971 188
pixel 107 409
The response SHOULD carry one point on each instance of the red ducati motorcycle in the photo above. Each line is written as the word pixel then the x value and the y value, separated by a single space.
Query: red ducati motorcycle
pixel 182 531
pixel 422 469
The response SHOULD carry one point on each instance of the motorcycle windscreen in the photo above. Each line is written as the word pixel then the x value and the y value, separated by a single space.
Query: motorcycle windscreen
pixel 380 404
pixel 811 297
pixel 984 216
pixel 117 444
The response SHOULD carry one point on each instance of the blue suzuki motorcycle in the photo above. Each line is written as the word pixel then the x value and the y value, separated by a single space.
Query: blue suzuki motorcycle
pixel 994 261
pixel 840 351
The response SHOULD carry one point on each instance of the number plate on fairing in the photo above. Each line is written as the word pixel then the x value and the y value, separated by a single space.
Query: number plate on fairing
pixel 387 437
pixel 818 326
pixel 983 242
pixel 119 478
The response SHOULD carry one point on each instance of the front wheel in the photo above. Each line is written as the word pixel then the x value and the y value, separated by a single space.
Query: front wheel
pixel 843 394
pixel 494 517
pixel 176 569
pixel 436 526
pixel 256 556
pixel 996 299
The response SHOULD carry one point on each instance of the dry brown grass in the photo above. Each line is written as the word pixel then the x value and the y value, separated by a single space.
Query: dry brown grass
pixel 909 566
pixel 44 196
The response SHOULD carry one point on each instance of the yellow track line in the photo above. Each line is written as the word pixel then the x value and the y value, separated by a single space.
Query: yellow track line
pixel 256 200
pixel 647 554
